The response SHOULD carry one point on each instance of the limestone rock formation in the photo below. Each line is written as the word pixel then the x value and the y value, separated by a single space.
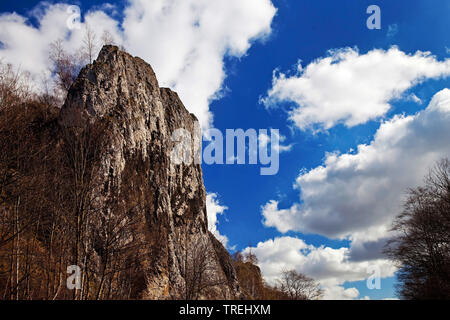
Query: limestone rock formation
pixel 122 92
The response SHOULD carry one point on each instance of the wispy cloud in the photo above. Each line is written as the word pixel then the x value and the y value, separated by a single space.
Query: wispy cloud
pixel 392 30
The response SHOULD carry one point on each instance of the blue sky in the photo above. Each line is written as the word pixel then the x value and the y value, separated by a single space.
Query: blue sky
pixel 306 31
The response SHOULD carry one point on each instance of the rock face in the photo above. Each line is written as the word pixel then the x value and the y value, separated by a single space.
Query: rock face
pixel 123 92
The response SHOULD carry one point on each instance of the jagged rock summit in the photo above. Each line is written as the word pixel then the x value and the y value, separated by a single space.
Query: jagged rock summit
pixel 122 92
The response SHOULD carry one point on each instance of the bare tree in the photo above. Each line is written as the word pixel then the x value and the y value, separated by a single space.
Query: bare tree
pixel 64 65
pixel 250 257
pixel 14 86
pixel 298 286
pixel 107 38
pixel 90 46
pixel 198 269
pixel 421 246
pixel 21 206
pixel 50 213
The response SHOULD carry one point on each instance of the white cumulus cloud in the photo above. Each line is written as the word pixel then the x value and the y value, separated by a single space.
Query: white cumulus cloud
pixel 330 267
pixel 185 41
pixel 351 88
pixel 357 194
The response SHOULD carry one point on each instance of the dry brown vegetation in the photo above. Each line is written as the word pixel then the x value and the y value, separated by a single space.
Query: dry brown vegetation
pixel 198 271
pixel 50 217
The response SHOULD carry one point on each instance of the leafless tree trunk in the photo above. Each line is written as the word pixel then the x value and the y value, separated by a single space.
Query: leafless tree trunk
pixel 65 67
pixel 89 47
pixel 198 269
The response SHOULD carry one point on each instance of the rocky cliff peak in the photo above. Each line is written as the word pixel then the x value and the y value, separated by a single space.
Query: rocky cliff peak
pixel 121 93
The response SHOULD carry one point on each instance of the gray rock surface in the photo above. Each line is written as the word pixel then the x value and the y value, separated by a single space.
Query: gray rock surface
pixel 123 91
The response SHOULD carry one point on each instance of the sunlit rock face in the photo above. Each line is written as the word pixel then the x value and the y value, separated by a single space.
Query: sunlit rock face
pixel 122 93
